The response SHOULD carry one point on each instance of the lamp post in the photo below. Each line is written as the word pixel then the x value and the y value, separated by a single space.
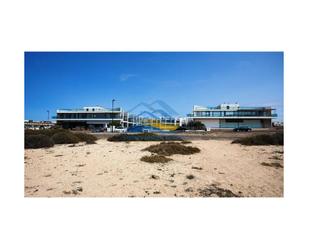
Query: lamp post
pixel 113 115
pixel 48 115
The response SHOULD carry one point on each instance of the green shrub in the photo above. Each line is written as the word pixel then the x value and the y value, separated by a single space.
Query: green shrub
pixel 65 138
pixel 195 125
pixel 84 137
pixel 143 137
pixel 38 141
pixel 275 139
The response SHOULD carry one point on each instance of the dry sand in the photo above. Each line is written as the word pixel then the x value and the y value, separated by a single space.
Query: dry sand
pixel 114 169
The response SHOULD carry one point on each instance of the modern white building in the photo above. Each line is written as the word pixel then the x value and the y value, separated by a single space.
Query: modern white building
pixel 232 116
pixel 92 116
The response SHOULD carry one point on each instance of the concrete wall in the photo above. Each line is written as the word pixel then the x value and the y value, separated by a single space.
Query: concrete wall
pixel 209 123
pixel 221 123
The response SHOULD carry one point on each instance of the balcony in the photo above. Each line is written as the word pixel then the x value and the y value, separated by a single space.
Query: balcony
pixel 77 110
pixel 212 115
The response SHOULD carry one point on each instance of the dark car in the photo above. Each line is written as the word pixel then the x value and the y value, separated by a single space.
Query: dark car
pixel 97 129
pixel 242 128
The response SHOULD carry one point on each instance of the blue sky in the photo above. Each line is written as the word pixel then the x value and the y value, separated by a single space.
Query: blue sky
pixel 55 80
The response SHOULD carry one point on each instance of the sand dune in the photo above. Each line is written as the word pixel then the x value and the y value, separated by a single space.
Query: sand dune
pixel 110 169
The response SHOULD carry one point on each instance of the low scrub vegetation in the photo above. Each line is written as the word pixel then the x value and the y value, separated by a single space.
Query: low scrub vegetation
pixel 275 139
pixel 275 158
pixel 84 137
pixel 190 177
pixel 155 159
pixel 142 137
pixel 275 165
pixel 38 141
pixel 171 148
pixel 186 142
pixel 167 149
pixel 65 138
pixel 215 191
pixel 49 137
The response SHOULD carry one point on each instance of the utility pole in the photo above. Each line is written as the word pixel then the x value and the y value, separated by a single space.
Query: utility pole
pixel 48 115
pixel 113 114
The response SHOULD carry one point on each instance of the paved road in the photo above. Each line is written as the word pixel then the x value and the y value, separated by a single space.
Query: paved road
pixel 217 135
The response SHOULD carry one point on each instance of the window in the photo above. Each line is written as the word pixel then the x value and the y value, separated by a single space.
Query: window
pixel 87 109
pixel 93 109
pixel 228 107
pixel 234 120
pixel 217 114
pixel 229 113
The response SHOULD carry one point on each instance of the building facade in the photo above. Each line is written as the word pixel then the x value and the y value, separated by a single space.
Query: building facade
pixel 92 117
pixel 233 116
pixel 222 116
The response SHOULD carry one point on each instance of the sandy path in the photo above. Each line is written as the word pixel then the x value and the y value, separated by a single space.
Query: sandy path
pixel 109 169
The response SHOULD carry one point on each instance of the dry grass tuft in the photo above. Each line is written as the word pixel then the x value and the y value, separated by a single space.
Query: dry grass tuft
pixel 142 137
pixel 186 142
pixel 171 148
pixel 65 138
pixel 190 177
pixel 275 165
pixel 214 191
pixel 275 158
pixel 154 177
pixel 198 168
pixel 275 139
pixel 155 159
pixel 85 137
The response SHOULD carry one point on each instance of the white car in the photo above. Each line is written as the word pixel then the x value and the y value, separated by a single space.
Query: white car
pixel 120 129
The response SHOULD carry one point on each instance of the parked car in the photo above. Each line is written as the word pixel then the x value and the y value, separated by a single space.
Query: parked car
pixel 120 129
pixel 97 130
pixel 242 128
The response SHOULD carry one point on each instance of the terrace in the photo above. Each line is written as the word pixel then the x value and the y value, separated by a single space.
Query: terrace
pixel 232 114
pixel 90 109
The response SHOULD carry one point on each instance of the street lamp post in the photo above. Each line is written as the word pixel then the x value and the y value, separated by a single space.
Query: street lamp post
pixel 48 115
pixel 113 114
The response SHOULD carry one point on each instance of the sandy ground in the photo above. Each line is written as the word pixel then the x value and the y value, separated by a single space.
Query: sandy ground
pixel 114 169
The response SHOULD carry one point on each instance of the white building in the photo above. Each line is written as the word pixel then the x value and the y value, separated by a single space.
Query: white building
pixel 232 116
pixel 92 116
